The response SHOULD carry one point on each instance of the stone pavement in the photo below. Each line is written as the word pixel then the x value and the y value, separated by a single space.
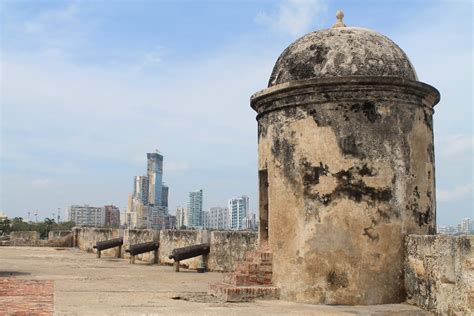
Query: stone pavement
pixel 83 284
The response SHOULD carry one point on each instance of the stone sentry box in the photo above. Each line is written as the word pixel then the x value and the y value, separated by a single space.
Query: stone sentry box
pixel 346 166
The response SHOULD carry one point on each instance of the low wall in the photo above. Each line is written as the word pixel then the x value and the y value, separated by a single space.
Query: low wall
pixel 24 238
pixel 439 273
pixel 60 238
pixel 86 238
pixel 138 236
pixel 170 239
pixel 229 247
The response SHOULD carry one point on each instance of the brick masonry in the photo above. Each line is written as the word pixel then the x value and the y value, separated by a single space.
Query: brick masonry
pixel 251 280
pixel 26 297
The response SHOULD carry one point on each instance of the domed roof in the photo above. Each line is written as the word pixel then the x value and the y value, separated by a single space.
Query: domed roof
pixel 339 52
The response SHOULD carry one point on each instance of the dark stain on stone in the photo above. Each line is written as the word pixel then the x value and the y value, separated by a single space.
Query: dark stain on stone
pixel 428 118
pixel 371 234
pixel 366 171
pixel 465 245
pixel 337 280
pixel 320 54
pixel 349 146
pixel 348 184
pixel 262 129
pixel 358 191
pixel 314 115
pixel 430 150
pixel 421 218
pixel 416 193
pixel 311 174
pixel 283 151
pixel 370 111
pixel 386 216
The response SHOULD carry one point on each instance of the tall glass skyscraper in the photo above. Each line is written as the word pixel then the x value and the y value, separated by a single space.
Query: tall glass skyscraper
pixel 195 209
pixel 155 178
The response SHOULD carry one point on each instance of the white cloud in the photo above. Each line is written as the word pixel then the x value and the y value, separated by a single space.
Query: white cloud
pixel 89 127
pixel 294 17
pixel 455 146
pixel 42 184
pixel 175 166
pixel 53 32
pixel 454 194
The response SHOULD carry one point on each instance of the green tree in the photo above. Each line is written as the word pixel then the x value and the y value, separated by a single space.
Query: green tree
pixel 5 226
pixel 18 224
pixel 64 226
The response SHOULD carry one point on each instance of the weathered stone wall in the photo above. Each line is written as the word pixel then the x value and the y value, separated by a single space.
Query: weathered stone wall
pixel 138 236
pixel 439 273
pixel 226 247
pixel 170 239
pixel 25 238
pixel 86 238
pixel 229 247
pixel 350 165
pixel 60 238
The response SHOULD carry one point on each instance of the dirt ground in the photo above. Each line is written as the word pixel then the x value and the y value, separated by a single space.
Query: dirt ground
pixel 85 285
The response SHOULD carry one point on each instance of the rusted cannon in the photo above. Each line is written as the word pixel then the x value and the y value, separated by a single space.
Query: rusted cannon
pixel 183 253
pixel 107 244
pixel 142 248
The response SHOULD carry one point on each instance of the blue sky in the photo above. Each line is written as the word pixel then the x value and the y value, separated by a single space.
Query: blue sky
pixel 88 87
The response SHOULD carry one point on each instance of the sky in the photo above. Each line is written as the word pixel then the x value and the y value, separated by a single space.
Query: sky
pixel 89 87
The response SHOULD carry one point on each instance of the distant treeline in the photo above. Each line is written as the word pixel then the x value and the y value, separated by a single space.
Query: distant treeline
pixel 17 224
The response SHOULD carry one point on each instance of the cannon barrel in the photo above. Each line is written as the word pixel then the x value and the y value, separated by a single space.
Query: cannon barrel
pixel 179 254
pixel 142 248
pixel 111 243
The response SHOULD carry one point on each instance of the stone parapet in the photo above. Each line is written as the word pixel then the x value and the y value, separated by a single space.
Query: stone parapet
pixel 439 273
pixel 60 238
pixel 171 239
pixel 229 247
pixel 139 236
pixel 24 238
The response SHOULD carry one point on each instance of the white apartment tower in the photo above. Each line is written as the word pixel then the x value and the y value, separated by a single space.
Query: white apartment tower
pixel 217 218
pixel 238 209
pixel 195 215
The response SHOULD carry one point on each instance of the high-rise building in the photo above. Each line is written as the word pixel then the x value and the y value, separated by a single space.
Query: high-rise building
pixel 112 216
pixel 164 195
pixel 195 209
pixel 156 216
pixel 238 208
pixel 170 222
pixel 217 218
pixel 155 178
pixel 181 217
pixel 465 226
pixel 148 205
pixel 87 215
pixel 140 191
pixel 249 222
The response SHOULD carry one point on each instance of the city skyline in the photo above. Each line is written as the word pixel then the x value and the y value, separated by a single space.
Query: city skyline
pixel 74 60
